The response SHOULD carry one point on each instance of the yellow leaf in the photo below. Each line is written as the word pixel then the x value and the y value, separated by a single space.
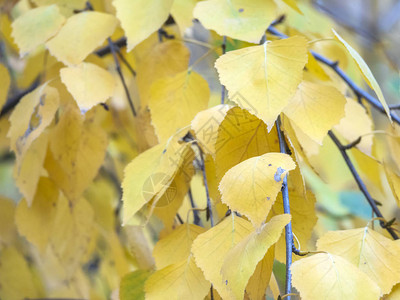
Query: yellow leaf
pixel 293 5
pixel 29 168
pixel 304 218
pixel 242 136
pixel 315 109
pixel 241 261
pixel 394 294
pixel 150 174
pixel 71 232
pixel 35 27
pixel 80 35
pixel 366 72
pixel 262 79
pixel 244 20
pixel 72 4
pixel 327 276
pixel 394 182
pixel 259 281
pixel 176 246
pixel 5 84
pixel 205 125
pixel 163 60
pixel 182 12
pixel 374 254
pixel 139 246
pixel 210 249
pixel 182 97
pixel 7 223
pixel 31 116
pixel 251 187
pixel 35 222
pixel 88 84
pixel 183 280
pixel 135 20
pixel 356 123
pixel 132 285
pixel 77 150
pixel 16 278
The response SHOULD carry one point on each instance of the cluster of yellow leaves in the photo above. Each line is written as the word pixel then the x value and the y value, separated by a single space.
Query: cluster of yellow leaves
pixel 72 156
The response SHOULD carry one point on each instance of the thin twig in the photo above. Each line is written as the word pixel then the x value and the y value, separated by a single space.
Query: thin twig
pixel 121 76
pixel 361 184
pixel 286 209
pixel 196 217
pixel 354 87
pixel 126 63
pixel 223 46
pixel 203 170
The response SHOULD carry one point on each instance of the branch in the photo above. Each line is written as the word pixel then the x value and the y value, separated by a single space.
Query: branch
pixel 361 185
pixel 121 76
pixel 203 170
pixel 197 220
pixel 223 90
pixel 286 208
pixel 354 87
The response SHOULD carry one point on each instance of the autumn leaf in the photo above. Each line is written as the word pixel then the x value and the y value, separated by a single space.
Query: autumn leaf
pixel 262 79
pixel 251 187
pixel 371 252
pixel 36 26
pixel 241 261
pixel 88 84
pixel 242 20
pixel 80 35
pixel 135 21
pixel 329 276
pixel 210 249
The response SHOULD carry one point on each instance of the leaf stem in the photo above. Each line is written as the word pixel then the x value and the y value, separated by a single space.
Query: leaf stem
pixel 361 184
pixel 223 89
pixel 197 220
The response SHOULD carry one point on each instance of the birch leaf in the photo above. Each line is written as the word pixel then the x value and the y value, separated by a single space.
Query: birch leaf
pixel 239 19
pixel 262 79
pixel 88 84
pixel 327 276
pixel 176 246
pixel 251 187
pixel 77 149
pixel 210 248
pixel 241 261
pixel 181 96
pixel 5 85
pixel 135 20
pixel 35 27
pixel 80 35
pixel 132 285
pixel 183 280
pixel 241 136
pixel 315 109
pixel 371 252
pixel 366 72
pixel 182 12
pixel 150 174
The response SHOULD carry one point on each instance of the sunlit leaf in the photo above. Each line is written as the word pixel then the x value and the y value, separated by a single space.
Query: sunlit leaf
pixel 328 276
pixel 251 187
pixel 80 35
pixel 262 79
pixel 181 96
pixel 368 250
pixel 134 17
pixel 315 109
pixel 88 84
pixel 5 84
pixel 35 27
pixel 238 19
pixel 210 249
pixel 241 261
pixel 366 72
